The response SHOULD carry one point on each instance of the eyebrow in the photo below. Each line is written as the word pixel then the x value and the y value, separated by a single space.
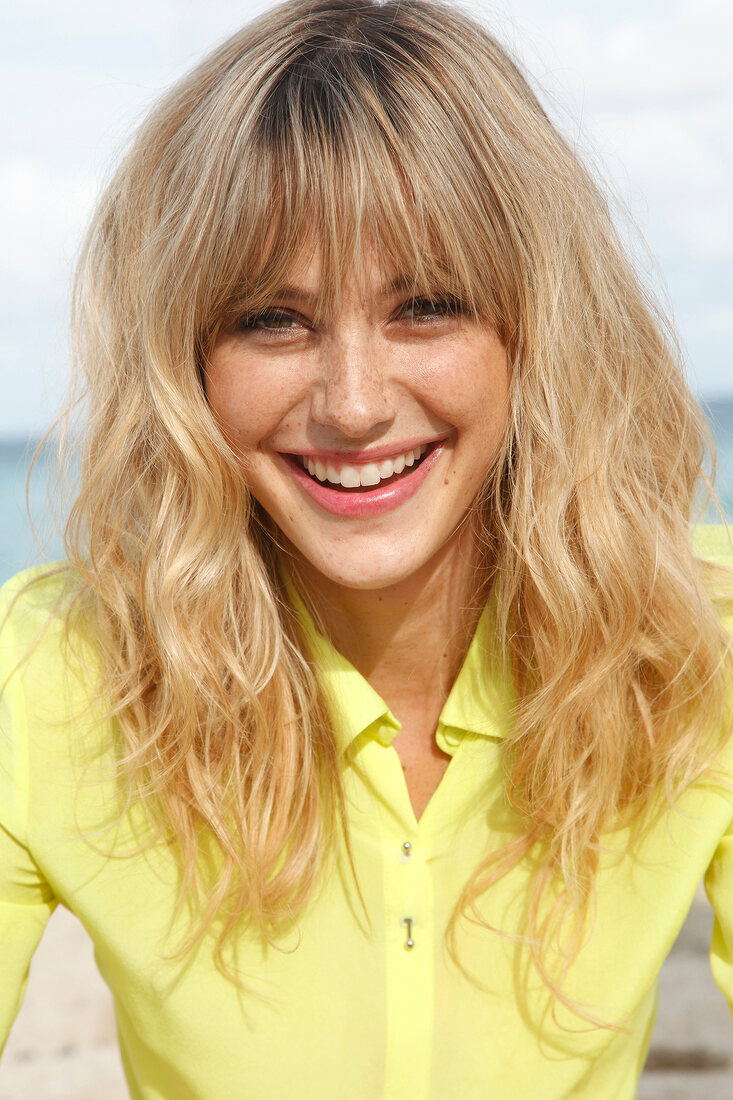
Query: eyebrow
pixel 400 284
pixel 296 294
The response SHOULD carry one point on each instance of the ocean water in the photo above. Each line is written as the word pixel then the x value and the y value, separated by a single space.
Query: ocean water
pixel 21 545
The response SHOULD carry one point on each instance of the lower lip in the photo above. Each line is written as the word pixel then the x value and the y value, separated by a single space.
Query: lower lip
pixel 371 502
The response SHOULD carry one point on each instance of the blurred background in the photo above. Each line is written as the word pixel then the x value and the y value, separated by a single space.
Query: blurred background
pixel 644 90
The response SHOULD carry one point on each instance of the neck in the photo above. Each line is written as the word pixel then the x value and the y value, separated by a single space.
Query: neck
pixel 409 639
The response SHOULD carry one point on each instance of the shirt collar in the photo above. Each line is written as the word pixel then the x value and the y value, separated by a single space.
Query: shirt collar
pixel 357 706
pixel 480 701
pixel 482 697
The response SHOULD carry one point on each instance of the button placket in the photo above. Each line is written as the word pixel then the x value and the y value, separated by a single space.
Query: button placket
pixel 410 962
pixel 408 947
pixel 405 856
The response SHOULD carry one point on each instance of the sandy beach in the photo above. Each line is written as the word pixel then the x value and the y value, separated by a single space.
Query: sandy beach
pixel 63 1045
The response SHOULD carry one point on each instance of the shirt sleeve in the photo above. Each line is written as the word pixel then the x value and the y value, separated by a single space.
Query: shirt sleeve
pixel 719 888
pixel 26 900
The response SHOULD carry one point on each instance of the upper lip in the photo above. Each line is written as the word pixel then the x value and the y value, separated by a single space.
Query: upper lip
pixel 361 458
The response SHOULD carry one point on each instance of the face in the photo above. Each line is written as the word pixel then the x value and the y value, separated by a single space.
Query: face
pixel 365 436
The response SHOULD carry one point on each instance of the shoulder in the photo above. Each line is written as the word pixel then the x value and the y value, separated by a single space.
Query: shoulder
pixel 43 647
pixel 37 637
pixel 37 594
pixel 34 607
pixel 713 543
pixel 713 548
pixel 49 684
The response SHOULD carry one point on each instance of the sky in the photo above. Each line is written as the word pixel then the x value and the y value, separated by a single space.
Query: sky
pixel 644 90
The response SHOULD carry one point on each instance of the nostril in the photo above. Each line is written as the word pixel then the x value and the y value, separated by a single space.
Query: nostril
pixel 354 402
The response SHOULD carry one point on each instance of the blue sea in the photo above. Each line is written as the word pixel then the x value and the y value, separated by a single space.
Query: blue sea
pixel 21 545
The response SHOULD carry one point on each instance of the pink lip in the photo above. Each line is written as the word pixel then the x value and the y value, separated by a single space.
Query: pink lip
pixel 373 454
pixel 370 502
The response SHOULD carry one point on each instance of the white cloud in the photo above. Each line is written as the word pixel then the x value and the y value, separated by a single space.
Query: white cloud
pixel 643 57
pixel 718 321
pixel 42 215
pixel 652 86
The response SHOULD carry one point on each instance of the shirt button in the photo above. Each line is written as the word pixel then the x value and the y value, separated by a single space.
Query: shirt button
pixel 407 923
pixel 405 852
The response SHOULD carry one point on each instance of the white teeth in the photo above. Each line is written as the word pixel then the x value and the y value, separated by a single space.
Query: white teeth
pixel 369 475
pixel 351 477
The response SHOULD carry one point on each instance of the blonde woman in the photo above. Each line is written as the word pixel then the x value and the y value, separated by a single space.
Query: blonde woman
pixel 377 727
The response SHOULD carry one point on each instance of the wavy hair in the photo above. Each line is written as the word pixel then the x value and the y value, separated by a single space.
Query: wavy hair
pixel 406 125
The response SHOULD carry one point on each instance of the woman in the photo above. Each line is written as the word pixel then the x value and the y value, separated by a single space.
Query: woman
pixel 377 727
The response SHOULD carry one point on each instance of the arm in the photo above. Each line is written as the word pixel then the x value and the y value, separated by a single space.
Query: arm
pixel 26 900
pixel 719 887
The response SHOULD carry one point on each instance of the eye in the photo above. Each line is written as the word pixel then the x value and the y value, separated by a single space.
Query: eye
pixel 427 309
pixel 270 321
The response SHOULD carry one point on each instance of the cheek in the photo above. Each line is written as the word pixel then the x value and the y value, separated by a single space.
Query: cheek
pixel 254 419
pixel 247 403
pixel 471 390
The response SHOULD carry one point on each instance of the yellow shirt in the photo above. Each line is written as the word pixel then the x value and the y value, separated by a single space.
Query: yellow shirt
pixel 342 1007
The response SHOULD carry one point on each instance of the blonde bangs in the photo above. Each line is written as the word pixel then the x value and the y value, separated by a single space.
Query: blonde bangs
pixel 339 164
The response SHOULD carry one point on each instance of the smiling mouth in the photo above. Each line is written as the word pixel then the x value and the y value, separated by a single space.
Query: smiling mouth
pixel 352 478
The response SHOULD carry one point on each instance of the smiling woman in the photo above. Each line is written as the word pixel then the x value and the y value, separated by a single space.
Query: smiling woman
pixel 367 433
pixel 366 722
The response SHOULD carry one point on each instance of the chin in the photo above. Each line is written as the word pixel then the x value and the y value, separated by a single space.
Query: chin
pixel 366 576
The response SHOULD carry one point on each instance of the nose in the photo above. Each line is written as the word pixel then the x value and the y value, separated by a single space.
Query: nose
pixel 353 395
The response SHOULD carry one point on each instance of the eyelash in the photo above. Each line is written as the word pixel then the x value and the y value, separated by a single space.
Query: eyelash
pixel 443 306
pixel 446 305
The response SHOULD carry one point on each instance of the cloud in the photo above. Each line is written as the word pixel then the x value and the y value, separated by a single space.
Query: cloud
pixel 718 321
pixel 42 214
pixel 646 92
pixel 633 55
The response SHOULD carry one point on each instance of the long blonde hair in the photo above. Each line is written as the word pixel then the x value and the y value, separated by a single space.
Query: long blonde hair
pixel 407 124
